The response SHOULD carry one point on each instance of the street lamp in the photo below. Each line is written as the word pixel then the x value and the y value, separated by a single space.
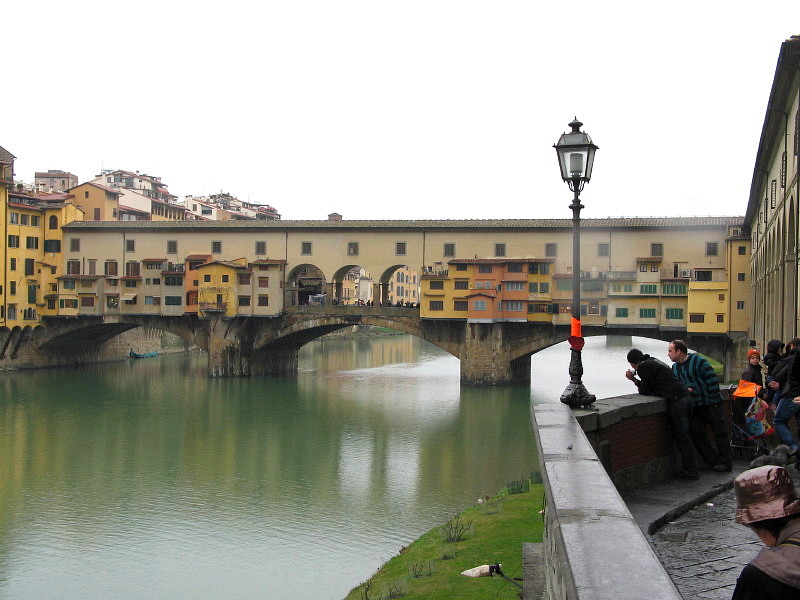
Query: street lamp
pixel 576 158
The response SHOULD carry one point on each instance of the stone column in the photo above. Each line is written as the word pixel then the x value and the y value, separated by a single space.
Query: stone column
pixel 229 348
pixel 486 357
pixel 274 361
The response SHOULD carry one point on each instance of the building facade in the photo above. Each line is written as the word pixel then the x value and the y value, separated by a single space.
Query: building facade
pixel 772 210
pixel 33 257
pixel 54 180
pixel 685 274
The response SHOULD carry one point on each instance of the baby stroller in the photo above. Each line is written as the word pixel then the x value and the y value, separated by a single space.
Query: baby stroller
pixel 750 427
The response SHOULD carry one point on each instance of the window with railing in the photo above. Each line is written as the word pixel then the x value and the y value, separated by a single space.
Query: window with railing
pixel 132 269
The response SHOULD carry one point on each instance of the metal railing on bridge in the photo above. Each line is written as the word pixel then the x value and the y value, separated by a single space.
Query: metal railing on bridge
pixel 352 310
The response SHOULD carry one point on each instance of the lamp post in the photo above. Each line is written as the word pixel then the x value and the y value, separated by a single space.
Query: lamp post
pixel 576 158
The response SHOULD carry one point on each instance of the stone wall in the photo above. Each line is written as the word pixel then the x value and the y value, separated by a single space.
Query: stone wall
pixel 140 339
pixel 630 435
pixel 593 549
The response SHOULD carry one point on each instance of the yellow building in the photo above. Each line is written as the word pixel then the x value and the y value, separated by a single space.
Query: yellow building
pixel 235 287
pixel 99 203
pixel 404 286
pixel 31 254
pixel 6 182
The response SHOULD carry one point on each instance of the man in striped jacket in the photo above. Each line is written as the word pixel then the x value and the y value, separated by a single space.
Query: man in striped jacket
pixel 696 374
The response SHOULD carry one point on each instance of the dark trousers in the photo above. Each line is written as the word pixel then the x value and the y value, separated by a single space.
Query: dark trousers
pixel 706 416
pixel 679 412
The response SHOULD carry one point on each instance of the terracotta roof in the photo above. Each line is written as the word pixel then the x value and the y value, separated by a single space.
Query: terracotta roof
pixel 53 173
pixel 650 259
pixel 131 209
pixel 422 225
pixel 154 260
pixel 225 263
pixel 198 257
pixel 23 205
pixel 50 196
pixel 269 261
pixel 97 185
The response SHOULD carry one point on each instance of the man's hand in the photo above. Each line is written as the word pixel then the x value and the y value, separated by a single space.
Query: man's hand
pixel 773 385
pixel 629 374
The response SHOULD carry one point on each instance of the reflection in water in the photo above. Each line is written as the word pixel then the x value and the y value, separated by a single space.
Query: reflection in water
pixel 147 479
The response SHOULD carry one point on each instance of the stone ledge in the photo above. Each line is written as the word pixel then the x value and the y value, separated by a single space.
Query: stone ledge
pixel 593 548
pixel 610 411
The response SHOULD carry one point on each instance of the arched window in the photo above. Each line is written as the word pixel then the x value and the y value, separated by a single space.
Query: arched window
pixel 53 222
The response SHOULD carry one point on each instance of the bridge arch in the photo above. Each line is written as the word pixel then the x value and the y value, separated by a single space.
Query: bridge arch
pixel 301 328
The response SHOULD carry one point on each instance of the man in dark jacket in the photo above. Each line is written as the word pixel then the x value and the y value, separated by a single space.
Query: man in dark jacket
pixel 774 354
pixel 657 379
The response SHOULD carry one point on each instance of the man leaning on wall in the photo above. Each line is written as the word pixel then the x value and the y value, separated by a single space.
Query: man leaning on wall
pixel 699 377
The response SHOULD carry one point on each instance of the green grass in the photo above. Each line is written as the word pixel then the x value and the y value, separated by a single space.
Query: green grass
pixel 716 365
pixel 499 528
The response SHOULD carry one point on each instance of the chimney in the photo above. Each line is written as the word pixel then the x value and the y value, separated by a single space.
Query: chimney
pixel 334 217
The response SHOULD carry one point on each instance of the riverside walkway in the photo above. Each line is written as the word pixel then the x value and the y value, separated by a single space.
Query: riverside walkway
pixel 691 527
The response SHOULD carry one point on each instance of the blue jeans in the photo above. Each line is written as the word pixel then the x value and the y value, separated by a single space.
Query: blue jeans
pixel 783 414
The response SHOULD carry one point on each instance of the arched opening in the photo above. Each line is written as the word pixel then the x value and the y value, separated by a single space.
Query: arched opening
pixel 399 286
pixel 352 284
pixel 52 222
pixel 305 284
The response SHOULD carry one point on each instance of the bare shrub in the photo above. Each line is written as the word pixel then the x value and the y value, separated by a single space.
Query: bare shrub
pixel 454 529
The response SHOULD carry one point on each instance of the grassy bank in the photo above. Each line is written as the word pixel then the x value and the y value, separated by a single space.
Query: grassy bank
pixel 430 568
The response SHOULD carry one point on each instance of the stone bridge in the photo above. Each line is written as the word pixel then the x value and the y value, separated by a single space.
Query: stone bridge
pixel 490 353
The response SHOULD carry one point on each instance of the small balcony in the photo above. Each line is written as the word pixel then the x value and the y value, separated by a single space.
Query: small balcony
pixel 621 275
pixel 214 307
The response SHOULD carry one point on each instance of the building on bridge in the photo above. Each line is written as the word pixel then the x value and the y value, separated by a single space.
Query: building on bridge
pixel 491 292
pixel 694 279
pixel 772 210
pixel 687 274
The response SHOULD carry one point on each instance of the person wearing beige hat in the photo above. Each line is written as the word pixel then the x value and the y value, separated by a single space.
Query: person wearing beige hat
pixel 766 501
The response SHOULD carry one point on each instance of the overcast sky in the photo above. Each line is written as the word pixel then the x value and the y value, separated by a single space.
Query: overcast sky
pixel 396 110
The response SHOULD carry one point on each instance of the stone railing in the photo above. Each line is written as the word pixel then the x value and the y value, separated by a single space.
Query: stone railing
pixel 352 309
pixel 593 548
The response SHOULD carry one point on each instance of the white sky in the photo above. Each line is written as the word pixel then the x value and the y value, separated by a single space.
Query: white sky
pixel 397 110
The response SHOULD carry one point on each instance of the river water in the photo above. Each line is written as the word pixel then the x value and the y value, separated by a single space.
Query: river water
pixel 147 479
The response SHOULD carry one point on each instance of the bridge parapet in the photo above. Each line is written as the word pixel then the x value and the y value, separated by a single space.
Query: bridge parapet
pixel 352 310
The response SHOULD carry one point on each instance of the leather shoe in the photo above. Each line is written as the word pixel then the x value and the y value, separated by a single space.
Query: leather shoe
pixel 687 475
pixel 722 468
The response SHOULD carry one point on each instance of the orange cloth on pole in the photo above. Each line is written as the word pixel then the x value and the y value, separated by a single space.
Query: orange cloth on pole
pixel 747 389
pixel 576 328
